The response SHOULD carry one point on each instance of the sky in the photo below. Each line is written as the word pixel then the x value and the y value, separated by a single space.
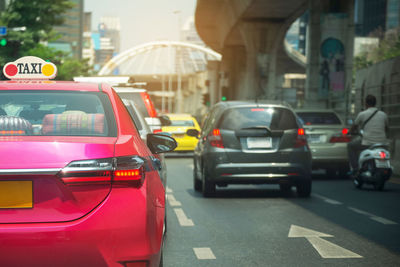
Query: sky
pixel 142 20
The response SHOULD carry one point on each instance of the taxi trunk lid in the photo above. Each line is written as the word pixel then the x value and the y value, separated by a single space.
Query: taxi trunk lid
pixel 31 187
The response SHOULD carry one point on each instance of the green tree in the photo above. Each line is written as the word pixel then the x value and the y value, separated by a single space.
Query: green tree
pixel 35 20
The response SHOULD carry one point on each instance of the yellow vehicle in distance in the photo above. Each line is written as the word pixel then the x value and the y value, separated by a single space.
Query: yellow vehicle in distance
pixel 180 123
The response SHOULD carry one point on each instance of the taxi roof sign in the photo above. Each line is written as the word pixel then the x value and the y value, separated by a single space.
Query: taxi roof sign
pixel 30 68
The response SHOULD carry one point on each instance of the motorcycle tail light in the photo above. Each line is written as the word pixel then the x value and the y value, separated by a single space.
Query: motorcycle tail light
pixel 382 154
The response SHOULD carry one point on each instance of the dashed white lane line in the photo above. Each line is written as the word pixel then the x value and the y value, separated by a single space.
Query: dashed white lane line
pixel 373 217
pixel 172 201
pixel 328 200
pixel 169 190
pixel 204 254
pixel 382 220
pixel 182 219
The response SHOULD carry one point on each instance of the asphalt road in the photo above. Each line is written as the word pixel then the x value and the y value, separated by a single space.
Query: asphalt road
pixel 260 226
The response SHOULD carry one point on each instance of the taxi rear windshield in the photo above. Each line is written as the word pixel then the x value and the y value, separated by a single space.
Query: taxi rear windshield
pixel 56 113
pixel 247 117
pixel 319 118
pixel 184 123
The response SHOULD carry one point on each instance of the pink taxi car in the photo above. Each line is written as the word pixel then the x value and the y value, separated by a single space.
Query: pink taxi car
pixel 78 186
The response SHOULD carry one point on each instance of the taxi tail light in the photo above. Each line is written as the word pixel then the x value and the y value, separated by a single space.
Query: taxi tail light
pixel 301 139
pixel 215 138
pixel 122 171
pixel 157 131
pixel 129 171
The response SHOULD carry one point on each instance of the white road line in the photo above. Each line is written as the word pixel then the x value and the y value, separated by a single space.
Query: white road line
pixel 328 200
pixel 169 190
pixel 172 201
pixel 372 216
pixel 183 220
pixel 361 212
pixel 382 220
pixel 204 254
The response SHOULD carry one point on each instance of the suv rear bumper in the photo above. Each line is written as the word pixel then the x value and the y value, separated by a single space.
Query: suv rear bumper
pixel 259 173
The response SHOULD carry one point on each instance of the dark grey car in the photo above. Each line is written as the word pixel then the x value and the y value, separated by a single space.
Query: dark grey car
pixel 252 143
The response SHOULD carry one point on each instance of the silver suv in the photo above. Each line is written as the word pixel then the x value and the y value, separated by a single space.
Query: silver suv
pixel 252 143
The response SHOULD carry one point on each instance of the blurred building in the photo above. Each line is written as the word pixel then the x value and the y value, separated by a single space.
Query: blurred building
pixel 296 36
pixel 106 41
pixel 88 51
pixel 370 17
pixel 190 60
pixel 71 32
pixel 393 14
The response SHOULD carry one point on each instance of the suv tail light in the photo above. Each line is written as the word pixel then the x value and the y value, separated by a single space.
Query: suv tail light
pixel 149 105
pixel 121 170
pixel 301 139
pixel 215 138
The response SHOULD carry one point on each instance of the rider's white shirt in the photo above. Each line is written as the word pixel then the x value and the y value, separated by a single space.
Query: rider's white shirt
pixel 374 130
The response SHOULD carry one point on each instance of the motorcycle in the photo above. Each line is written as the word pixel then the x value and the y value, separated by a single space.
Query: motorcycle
pixel 375 167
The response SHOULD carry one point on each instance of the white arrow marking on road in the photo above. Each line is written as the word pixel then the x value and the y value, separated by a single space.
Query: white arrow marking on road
pixel 169 190
pixel 325 248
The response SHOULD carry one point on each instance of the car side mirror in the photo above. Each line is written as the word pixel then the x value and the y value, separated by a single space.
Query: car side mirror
pixel 193 132
pixel 165 121
pixel 159 143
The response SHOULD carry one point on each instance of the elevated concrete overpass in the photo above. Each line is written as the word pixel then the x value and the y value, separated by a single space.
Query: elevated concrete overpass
pixel 250 36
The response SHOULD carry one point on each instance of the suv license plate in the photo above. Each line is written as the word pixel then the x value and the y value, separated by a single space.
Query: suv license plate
pixel 259 142
pixel 382 163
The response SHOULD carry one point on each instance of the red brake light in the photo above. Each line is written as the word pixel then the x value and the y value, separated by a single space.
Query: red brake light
pixel 157 131
pixel 87 177
pixel 382 154
pixel 345 131
pixel 122 170
pixel 301 139
pixel 215 138
pixel 12 132
pixel 257 109
pixel 149 105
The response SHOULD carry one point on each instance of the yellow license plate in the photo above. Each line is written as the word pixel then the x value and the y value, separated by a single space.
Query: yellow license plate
pixel 15 194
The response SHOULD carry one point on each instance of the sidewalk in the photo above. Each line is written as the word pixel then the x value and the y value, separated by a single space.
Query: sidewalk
pixel 395 179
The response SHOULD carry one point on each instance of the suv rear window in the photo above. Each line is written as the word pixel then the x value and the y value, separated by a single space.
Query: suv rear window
pixel 56 113
pixel 311 118
pixel 246 117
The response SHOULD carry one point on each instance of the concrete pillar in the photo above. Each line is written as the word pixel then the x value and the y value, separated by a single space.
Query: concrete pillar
pixel 233 72
pixel 262 42
pixel 213 81
pixel 330 53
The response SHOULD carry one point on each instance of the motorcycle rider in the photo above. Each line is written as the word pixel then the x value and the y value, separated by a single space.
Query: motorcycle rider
pixel 374 124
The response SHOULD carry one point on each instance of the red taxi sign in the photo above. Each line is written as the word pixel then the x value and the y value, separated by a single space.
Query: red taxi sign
pixel 30 68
